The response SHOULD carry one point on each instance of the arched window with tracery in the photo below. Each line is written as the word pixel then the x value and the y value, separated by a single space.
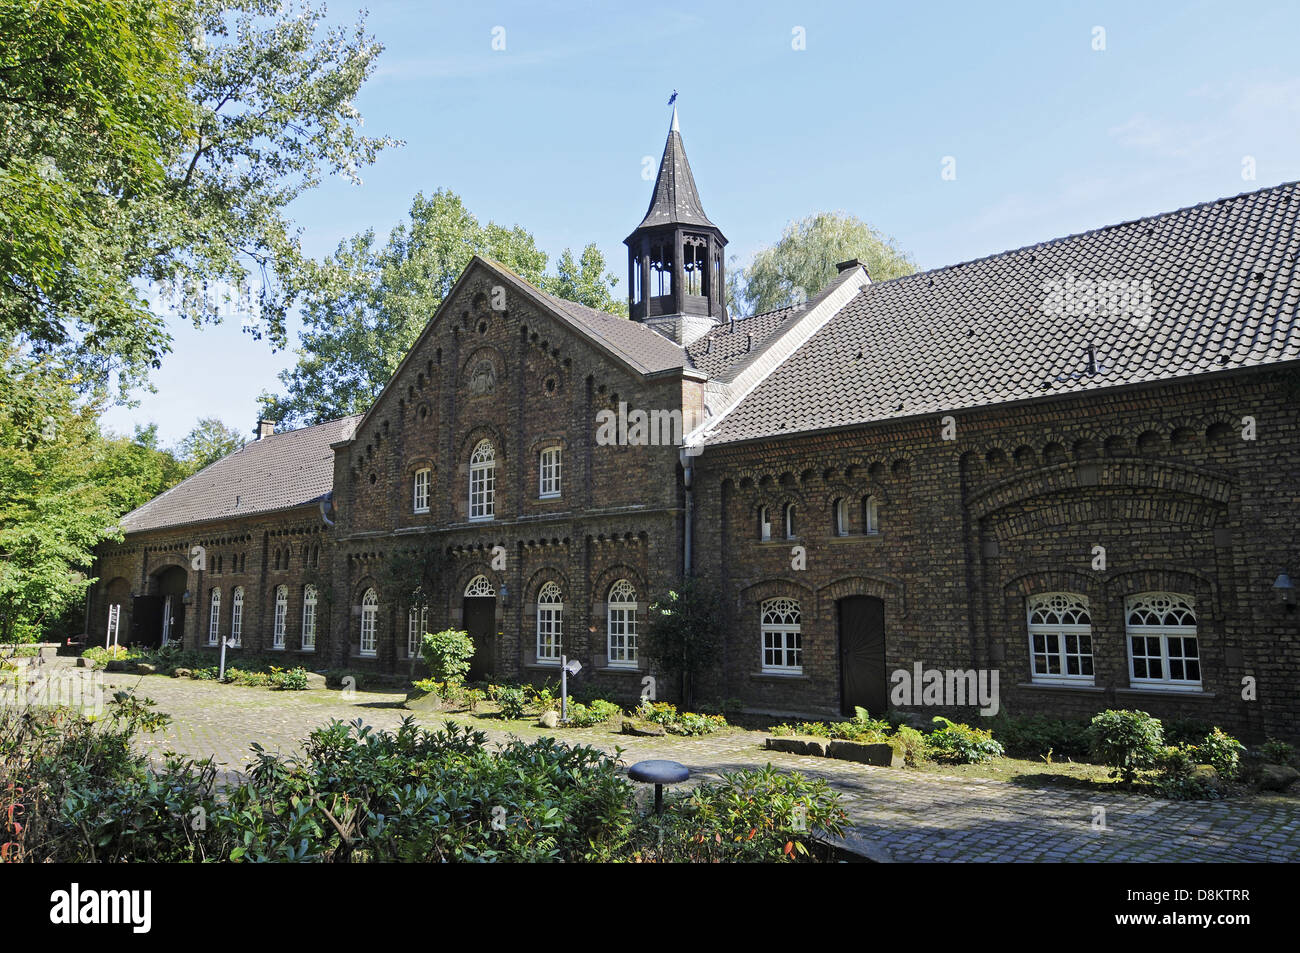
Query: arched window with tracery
pixel 482 481
pixel 550 623
pixel 1060 638
pixel 620 624
pixel 1162 641
pixel 782 637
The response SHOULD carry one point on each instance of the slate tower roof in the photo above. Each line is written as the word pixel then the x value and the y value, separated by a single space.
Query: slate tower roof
pixel 675 200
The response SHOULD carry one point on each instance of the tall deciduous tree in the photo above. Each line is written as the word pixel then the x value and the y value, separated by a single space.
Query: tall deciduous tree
pixel 803 262
pixel 53 510
pixel 368 303
pixel 160 141
pixel 208 442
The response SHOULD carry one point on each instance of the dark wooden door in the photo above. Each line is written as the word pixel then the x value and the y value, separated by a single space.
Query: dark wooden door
pixel 863 681
pixel 481 623
pixel 146 621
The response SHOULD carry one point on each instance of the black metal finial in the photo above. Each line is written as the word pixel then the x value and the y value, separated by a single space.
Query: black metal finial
pixel 673 98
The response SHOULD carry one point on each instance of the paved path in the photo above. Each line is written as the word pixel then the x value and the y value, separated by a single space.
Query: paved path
pixel 908 815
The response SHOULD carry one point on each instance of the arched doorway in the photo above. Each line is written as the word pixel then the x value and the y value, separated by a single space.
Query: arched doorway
pixel 159 617
pixel 479 619
pixel 863 681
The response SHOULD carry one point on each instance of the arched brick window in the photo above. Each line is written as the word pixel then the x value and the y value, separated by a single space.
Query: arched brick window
pixel 1060 638
pixel 281 617
pixel 782 637
pixel 309 618
pixel 1162 643
pixel 214 615
pixel 369 623
pixel 620 624
pixel 482 481
pixel 550 623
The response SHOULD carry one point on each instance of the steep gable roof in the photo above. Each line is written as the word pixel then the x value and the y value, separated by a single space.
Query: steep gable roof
pixel 278 472
pixel 1225 294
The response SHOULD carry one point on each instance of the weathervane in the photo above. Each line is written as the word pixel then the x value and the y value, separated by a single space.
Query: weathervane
pixel 673 98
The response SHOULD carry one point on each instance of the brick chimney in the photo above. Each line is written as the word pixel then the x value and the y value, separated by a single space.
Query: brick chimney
pixel 265 428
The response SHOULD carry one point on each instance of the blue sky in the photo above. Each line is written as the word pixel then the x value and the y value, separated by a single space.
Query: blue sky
pixel 1049 135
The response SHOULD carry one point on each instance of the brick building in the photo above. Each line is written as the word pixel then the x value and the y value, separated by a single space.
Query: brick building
pixel 1074 464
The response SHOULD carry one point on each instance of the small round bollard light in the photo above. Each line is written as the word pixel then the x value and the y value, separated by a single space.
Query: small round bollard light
pixel 658 773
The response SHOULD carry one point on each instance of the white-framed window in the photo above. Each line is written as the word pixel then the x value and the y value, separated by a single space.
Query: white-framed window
pixel 764 524
pixel 281 617
pixel 214 616
pixel 788 519
pixel 620 624
pixel 309 618
pixel 482 481
pixel 422 480
pixel 417 624
pixel 1060 638
pixel 782 642
pixel 237 616
pixel 870 515
pixel 841 517
pixel 550 623
pixel 1162 647
pixel 550 473
pixel 369 623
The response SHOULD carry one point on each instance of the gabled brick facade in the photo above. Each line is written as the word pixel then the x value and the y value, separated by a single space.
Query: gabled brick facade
pixel 956 459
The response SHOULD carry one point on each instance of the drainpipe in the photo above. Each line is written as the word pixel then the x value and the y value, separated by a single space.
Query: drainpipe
pixel 688 470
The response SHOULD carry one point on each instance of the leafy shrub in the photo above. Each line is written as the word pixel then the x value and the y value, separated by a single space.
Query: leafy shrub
pixel 239 676
pixel 680 723
pixel 447 653
pixel 1185 731
pixel 763 815
pixel 293 680
pixel 1126 741
pixel 597 713
pixel 1222 752
pixel 334 678
pixel 101 655
pixel 1041 736
pixel 513 702
pixel 1275 751
pixel 1176 765
pixel 962 744
pixel 911 744
pixel 204 674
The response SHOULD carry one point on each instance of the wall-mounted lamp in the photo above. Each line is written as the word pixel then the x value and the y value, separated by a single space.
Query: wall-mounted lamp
pixel 1284 590
pixel 187 597
pixel 505 596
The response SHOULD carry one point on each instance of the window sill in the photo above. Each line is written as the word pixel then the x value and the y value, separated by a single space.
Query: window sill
pixel 1158 691
pixel 361 655
pixel 1086 688
pixel 423 512
pixel 549 496
pixel 542 666
pixel 308 648
pixel 618 669
pixel 854 537
pixel 761 676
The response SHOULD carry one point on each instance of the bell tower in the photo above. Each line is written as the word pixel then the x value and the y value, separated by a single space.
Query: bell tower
pixel 675 264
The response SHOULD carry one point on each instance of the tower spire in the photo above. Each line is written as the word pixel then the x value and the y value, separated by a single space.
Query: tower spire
pixel 675 268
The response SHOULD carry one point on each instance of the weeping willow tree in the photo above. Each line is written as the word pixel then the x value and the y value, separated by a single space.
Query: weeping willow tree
pixel 803 262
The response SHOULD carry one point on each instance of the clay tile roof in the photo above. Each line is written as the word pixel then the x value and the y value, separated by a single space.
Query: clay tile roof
pixel 1224 279
pixel 278 472
pixel 645 350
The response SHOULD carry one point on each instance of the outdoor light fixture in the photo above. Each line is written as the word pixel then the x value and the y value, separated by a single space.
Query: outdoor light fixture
pixel 1284 589
pixel 187 597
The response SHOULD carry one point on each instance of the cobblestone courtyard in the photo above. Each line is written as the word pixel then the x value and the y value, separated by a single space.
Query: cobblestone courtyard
pixel 895 814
